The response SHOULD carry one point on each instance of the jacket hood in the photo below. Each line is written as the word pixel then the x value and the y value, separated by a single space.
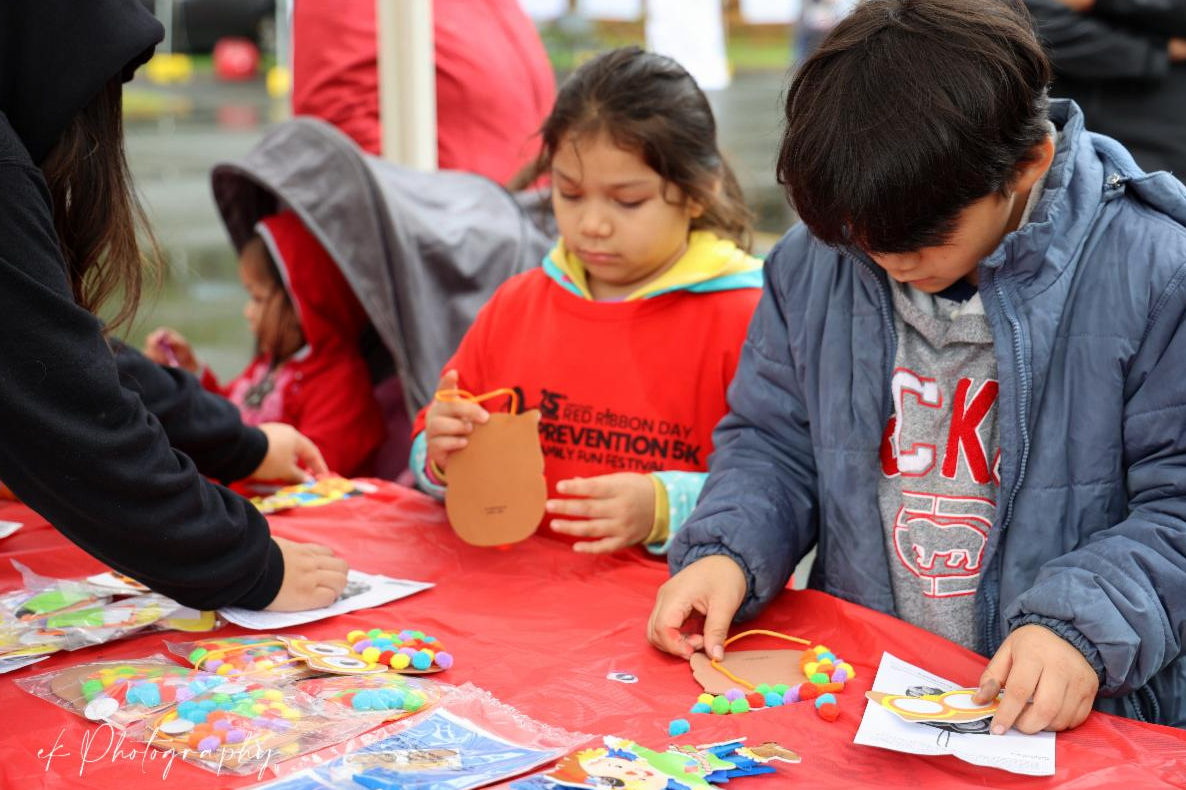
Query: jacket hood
pixel 56 55
pixel 330 313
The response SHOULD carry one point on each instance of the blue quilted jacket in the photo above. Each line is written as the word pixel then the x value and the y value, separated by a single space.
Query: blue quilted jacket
pixel 1086 304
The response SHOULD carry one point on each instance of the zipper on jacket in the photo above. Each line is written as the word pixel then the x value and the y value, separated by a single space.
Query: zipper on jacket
pixel 887 317
pixel 991 640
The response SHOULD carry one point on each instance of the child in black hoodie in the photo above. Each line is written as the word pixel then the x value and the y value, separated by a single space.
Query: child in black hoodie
pixel 77 446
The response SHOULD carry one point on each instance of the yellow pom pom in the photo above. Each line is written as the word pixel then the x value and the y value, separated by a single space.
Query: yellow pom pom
pixel 273 694
pixel 847 667
pixel 224 669
pixel 705 698
pixel 400 661
pixel 810 668
pixel 354 636
pixel 371 655
pixel 820 650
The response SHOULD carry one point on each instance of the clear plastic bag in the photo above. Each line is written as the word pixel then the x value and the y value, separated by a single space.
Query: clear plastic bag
pixel 243 727
pixel 385 696
pixel 260 656
pixel 120 692
pixel 469 740
pixel 68 614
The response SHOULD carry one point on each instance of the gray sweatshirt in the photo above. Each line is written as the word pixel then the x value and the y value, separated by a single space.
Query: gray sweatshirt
pixel 940 483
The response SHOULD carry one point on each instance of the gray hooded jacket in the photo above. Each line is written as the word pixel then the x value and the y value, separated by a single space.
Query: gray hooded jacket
pixel 1086 305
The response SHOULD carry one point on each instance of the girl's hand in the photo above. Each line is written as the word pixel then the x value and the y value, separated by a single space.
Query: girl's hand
pixel 168 347
pixel 713 587
pixel 619 509
pixel 290 454
pixel 313 577
pixel 1048 683
pixel 448 423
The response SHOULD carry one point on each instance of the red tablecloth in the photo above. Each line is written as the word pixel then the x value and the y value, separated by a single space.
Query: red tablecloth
pixel 540 627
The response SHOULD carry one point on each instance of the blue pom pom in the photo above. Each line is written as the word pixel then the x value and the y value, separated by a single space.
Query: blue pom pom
pixel 678 727
pixel 700 707
pixel 773 699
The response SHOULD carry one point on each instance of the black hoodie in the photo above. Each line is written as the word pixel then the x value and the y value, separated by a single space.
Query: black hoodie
pixel 75 445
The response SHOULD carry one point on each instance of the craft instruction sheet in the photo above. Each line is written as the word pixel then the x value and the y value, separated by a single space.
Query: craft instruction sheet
pixel 363 591
pixel 1015 752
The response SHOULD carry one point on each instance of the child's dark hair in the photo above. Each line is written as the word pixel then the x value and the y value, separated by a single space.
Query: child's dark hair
pixel 908 112
pixel 648 103
pixel 260 260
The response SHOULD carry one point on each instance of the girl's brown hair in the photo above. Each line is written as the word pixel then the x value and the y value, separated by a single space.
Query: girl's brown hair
pixel 96 210
pixel 648 103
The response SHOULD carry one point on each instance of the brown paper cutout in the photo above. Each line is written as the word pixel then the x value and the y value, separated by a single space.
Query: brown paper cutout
pixel 951 707
pixel 496 488
pixel 754 666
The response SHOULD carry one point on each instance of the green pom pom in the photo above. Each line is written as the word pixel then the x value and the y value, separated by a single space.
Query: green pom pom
pixel 781 689
pixel 763 688
pixel 720 705
pixel 92 689
pixel 374 632
pixel 739 706
pixel 197 655
pixel 819 678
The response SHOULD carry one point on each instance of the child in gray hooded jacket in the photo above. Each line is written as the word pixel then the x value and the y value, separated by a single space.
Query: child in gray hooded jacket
pixel 963 383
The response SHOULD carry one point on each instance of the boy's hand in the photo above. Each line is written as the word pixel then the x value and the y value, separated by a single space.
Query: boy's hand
pixel 713 586
pixel 313 577
pixel 448 423
pixel 619 509
pixel 1048 684
pixel 168 347
pixel 290 453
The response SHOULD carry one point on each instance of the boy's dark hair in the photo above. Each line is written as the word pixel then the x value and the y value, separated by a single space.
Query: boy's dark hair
pixel 648 103
pixel 908 112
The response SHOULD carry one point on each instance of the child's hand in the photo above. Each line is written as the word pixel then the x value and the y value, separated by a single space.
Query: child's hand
pixel 714 586
pixel 448 423
pixel 1048 684
pixel 168 347
pixel 619 509
pixel 313 577
pixel 290 454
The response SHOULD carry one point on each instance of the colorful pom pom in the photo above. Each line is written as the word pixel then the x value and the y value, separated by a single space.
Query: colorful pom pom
pixel 829 712
pixel 739 706
pixel 720 705
pixel 678 727
pixel 702 707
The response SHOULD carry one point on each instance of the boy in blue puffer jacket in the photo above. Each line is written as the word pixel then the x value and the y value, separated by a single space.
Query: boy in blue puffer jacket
pixel 965 383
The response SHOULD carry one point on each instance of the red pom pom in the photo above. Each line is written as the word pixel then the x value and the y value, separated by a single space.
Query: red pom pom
pixel 756 700
pixel 808 691
pixel 828 711
pixel 386 656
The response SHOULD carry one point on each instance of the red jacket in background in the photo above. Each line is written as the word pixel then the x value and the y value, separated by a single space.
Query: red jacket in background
pixel 494 82
pixel 324 390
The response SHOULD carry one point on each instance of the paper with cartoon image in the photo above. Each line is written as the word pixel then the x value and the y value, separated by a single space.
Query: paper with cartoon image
pixel 967 738
pixel 363 591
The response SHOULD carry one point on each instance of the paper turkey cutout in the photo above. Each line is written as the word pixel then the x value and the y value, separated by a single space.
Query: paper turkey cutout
pixel 496 490
pixel 754 666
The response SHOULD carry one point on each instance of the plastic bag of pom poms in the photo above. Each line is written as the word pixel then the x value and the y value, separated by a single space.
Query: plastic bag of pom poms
pixel 68 614
pixel 242 726
pixel 469 740
pixel 262 657
pixel 120 692
pixel 381 697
